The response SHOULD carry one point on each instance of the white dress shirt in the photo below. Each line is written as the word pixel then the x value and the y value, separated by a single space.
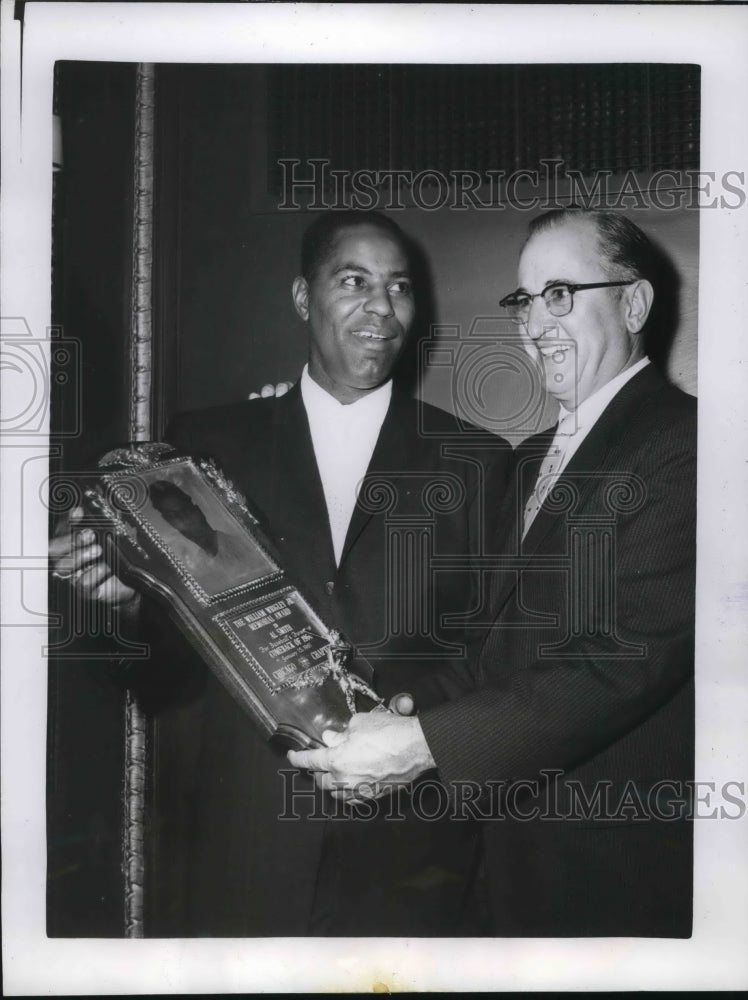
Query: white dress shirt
pixel 573 428
pixel 344 436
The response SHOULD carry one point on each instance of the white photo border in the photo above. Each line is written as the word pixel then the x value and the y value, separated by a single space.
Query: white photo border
pixel 715 38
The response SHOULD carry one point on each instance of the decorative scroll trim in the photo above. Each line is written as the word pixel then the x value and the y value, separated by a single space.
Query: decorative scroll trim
pixel 137 456
pixel 100 503
pixel 134 818
pixel 225 487
pixel 140 420
pixel 141 330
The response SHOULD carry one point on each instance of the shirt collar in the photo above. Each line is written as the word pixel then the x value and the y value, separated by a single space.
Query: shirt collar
pixel 587 413
pixel 318 401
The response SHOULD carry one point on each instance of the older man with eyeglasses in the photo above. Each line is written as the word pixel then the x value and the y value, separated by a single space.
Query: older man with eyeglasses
pixel 576 748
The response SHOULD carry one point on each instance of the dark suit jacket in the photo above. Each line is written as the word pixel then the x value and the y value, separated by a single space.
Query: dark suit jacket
pixel 588 669
pixel 247 872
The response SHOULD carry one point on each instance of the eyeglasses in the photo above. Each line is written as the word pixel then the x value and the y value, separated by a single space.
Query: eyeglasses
pixel 558 298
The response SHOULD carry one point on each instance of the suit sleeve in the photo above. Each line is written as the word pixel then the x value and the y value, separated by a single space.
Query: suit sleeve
pixel 432 683
pixel 556 712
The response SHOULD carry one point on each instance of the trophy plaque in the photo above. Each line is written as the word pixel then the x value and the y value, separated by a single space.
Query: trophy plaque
pixel 177 529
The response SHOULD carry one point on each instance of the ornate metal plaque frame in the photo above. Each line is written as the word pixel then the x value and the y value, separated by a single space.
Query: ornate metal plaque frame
pixel 177 529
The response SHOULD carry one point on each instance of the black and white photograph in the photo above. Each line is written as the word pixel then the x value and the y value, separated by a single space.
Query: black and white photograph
pixel 460 324
pixel 200 535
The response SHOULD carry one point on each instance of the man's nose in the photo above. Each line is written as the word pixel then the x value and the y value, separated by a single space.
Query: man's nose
pixel 539 319
pixel 379 302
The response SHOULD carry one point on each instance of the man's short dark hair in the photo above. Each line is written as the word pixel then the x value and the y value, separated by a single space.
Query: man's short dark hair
pixel 318 240
pixel 626 250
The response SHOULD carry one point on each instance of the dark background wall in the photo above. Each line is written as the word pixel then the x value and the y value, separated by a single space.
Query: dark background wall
pixel 224 260
pixel 238 253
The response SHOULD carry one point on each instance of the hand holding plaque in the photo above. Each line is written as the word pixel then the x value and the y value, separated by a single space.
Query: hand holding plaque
pixel 176 528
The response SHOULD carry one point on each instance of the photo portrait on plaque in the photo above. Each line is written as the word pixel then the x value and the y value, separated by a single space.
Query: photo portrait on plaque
pixel 202 544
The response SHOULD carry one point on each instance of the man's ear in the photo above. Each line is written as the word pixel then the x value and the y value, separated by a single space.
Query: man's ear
pixel 638 301
pixel 300 292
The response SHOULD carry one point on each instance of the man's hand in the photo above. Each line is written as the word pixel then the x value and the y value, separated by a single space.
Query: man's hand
pixel 76 556
pixel 279 389
pixel 377 750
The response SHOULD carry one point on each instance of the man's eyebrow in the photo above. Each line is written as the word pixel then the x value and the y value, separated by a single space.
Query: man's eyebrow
pixel 365 270
pixel 352 267
pixel 549 284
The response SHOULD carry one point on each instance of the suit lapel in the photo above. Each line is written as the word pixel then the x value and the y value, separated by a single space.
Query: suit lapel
pixel 529 458
pixel 390 454
pixel 508 537
pixel 599 451
pixel 299 507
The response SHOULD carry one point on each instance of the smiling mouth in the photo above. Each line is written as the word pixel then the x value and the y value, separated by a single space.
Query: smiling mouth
pixel 555 351
pixel 370 335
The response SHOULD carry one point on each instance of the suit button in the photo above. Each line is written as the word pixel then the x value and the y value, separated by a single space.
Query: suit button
pixel 329 587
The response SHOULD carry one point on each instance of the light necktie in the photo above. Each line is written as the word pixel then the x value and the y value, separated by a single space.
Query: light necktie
pixel 548 473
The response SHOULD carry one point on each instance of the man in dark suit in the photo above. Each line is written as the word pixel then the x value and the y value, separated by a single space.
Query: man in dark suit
pixel 366 566
pixel 579 736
